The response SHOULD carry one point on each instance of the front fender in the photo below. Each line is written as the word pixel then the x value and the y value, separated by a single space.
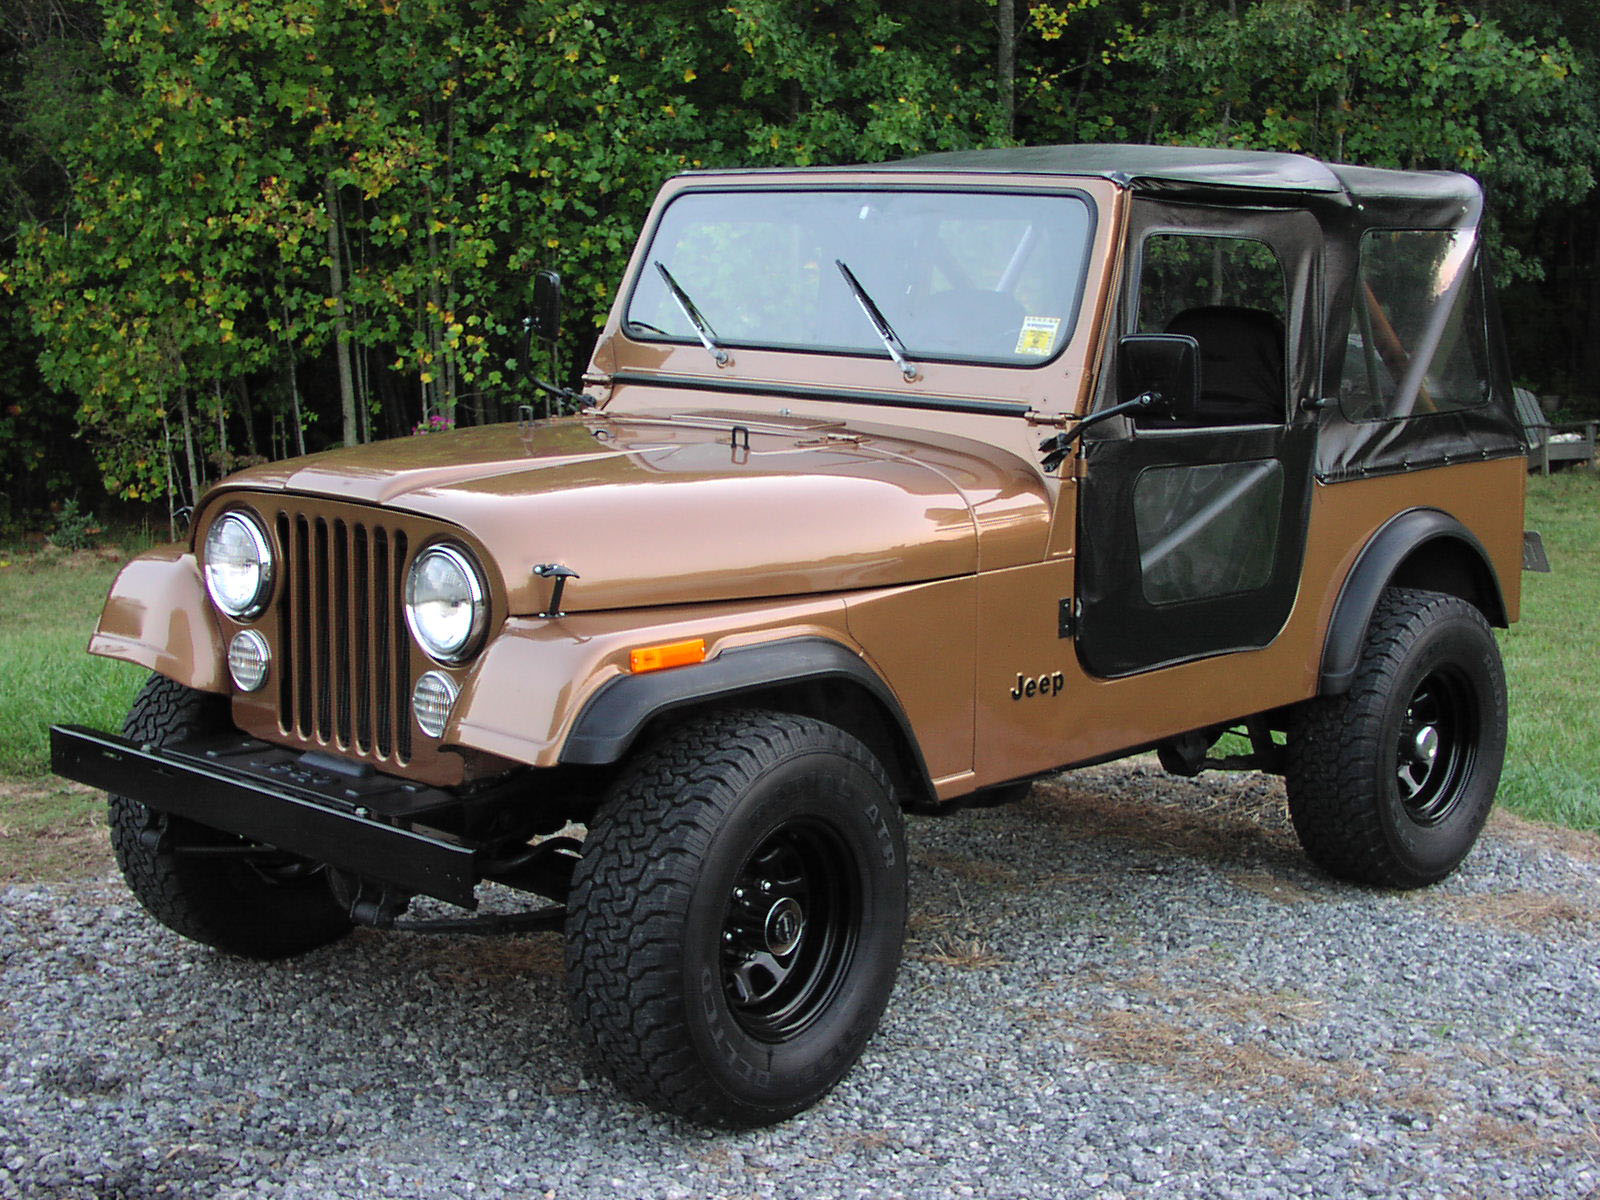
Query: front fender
pixel 523 699
pixel 158 616
pixel 615 715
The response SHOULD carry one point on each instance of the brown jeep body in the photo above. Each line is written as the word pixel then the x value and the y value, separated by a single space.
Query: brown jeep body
pixel 884 553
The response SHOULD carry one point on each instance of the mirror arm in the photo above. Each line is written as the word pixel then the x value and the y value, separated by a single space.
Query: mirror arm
pixel 1055 448
pixel 555 389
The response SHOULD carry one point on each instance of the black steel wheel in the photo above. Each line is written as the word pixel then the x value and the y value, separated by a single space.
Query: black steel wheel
pixel 1391 782
pixel 735 923
pixel 209 886
pixel 789 934
pixel 1437 746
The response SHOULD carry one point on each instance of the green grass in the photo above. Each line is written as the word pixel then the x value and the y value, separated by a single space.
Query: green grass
pixel 1553 760
pixel 48 606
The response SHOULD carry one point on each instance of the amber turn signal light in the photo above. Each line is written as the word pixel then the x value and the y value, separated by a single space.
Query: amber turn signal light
pixel 673 654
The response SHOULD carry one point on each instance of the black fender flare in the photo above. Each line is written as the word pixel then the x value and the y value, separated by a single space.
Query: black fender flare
pixel 1398 539
pixel 613 717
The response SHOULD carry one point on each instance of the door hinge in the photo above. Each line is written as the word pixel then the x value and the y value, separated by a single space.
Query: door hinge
pixel 1067 618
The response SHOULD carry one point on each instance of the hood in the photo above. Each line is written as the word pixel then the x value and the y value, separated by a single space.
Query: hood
pixel 698 507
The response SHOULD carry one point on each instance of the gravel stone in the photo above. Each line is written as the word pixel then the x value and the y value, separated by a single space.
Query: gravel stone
pixel 1127 985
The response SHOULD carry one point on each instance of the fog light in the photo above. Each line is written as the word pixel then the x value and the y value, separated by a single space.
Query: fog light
pixel 248 657
pixel 431 701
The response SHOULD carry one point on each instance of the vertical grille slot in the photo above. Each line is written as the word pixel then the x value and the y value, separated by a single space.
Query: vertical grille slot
pixel 361 638
pixel 402 682
pixel 344 674
pixel 382 654
pixel 322 616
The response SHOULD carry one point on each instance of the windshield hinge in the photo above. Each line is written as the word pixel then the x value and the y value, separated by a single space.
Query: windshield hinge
pixel 1053 420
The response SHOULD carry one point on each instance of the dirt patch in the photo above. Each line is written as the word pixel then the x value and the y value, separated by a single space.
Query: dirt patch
pixel 51 832
pixel 1227 1004
pixel 1204 1058
pixel 1540 913
pixel 961 951
pixel 1215 818
pixel 473 960
pixel 974 870
pixel 1574 843
pixel 1273 887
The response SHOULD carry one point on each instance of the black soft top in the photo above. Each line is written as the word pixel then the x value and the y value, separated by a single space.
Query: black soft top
pixel 1178 169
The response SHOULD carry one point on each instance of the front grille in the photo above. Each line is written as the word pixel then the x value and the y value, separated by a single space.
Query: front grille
pixel 342 636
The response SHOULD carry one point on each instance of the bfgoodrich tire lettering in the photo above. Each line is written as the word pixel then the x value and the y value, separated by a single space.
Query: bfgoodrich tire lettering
pixel 266 906
pixel 736 921
pixel 1391 783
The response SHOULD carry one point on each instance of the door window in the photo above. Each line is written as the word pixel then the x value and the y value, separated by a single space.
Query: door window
pixel 1229 294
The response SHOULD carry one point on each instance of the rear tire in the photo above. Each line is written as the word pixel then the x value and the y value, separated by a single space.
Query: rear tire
pixel 735 923
pixel 1391 782
pixel 268 906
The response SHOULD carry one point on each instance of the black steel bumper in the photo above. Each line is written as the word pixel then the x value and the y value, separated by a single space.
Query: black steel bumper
pixel 358 822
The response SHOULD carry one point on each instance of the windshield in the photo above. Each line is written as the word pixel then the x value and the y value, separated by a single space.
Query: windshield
pixel 978 277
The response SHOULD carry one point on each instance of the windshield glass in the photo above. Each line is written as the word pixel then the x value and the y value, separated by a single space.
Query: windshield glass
pixel 979 277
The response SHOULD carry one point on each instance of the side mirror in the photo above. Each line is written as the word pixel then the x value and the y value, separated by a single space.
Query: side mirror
pixel 1163 366
pixel 545 321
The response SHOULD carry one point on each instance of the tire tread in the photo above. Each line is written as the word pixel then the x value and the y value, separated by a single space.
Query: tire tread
pixel 1332 759
pixel 639 866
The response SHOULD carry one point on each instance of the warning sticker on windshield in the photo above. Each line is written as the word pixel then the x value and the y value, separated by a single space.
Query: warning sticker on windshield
pixel 1038 335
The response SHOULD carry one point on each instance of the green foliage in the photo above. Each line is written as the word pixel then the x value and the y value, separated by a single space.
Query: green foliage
pixel 1418 85
pixel 73 528
pixel 210 199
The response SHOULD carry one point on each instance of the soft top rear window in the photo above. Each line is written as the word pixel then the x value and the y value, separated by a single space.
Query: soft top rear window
pixel 985 277
pixel 1417 344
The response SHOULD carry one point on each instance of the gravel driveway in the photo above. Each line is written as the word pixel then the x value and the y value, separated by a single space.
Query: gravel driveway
pixel 1129 985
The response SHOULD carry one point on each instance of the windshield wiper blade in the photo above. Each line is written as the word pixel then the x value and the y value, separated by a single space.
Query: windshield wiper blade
pixel 880 324
pixel 702 327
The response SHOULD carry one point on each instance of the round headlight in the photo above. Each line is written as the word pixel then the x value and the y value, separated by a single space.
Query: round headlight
pixel 446 605
pixel 238 565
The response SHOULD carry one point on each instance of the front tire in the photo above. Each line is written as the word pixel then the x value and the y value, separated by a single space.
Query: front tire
pixel 736 920
pixel 267 905
pixel 1391 782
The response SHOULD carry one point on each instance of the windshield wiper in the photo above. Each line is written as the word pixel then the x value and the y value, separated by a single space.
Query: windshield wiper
pixel 880 324
pixel 702 327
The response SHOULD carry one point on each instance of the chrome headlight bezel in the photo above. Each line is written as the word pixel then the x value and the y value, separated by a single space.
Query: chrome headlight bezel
pixel 256 536
pixel 473 592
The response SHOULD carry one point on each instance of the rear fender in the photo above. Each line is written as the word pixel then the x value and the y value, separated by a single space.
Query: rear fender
pixel 1422 548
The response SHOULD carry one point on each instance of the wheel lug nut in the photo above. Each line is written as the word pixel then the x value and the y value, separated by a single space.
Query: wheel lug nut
pixel 766 885
pixel 738 893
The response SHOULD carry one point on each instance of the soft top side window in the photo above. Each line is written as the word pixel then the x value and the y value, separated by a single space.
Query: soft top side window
pixel 1416 344
pixel 1229 294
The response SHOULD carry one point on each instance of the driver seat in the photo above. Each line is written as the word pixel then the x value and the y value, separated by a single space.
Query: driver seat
pixel 1241 363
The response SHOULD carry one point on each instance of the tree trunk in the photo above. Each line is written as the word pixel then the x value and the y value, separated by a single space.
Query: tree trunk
pixel 195 476
pixel 1007 67
pixel 247 411
pixel 341 337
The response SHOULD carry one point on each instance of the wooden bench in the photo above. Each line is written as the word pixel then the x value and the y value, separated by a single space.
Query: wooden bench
pixel 1552 446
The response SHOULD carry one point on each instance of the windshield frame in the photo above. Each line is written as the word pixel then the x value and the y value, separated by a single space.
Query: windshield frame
pixel 637 334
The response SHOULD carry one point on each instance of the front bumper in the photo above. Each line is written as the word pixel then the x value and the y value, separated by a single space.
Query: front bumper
pixel 359 821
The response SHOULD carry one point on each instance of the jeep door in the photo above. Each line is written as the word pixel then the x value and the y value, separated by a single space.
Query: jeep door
pixel 1192 532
